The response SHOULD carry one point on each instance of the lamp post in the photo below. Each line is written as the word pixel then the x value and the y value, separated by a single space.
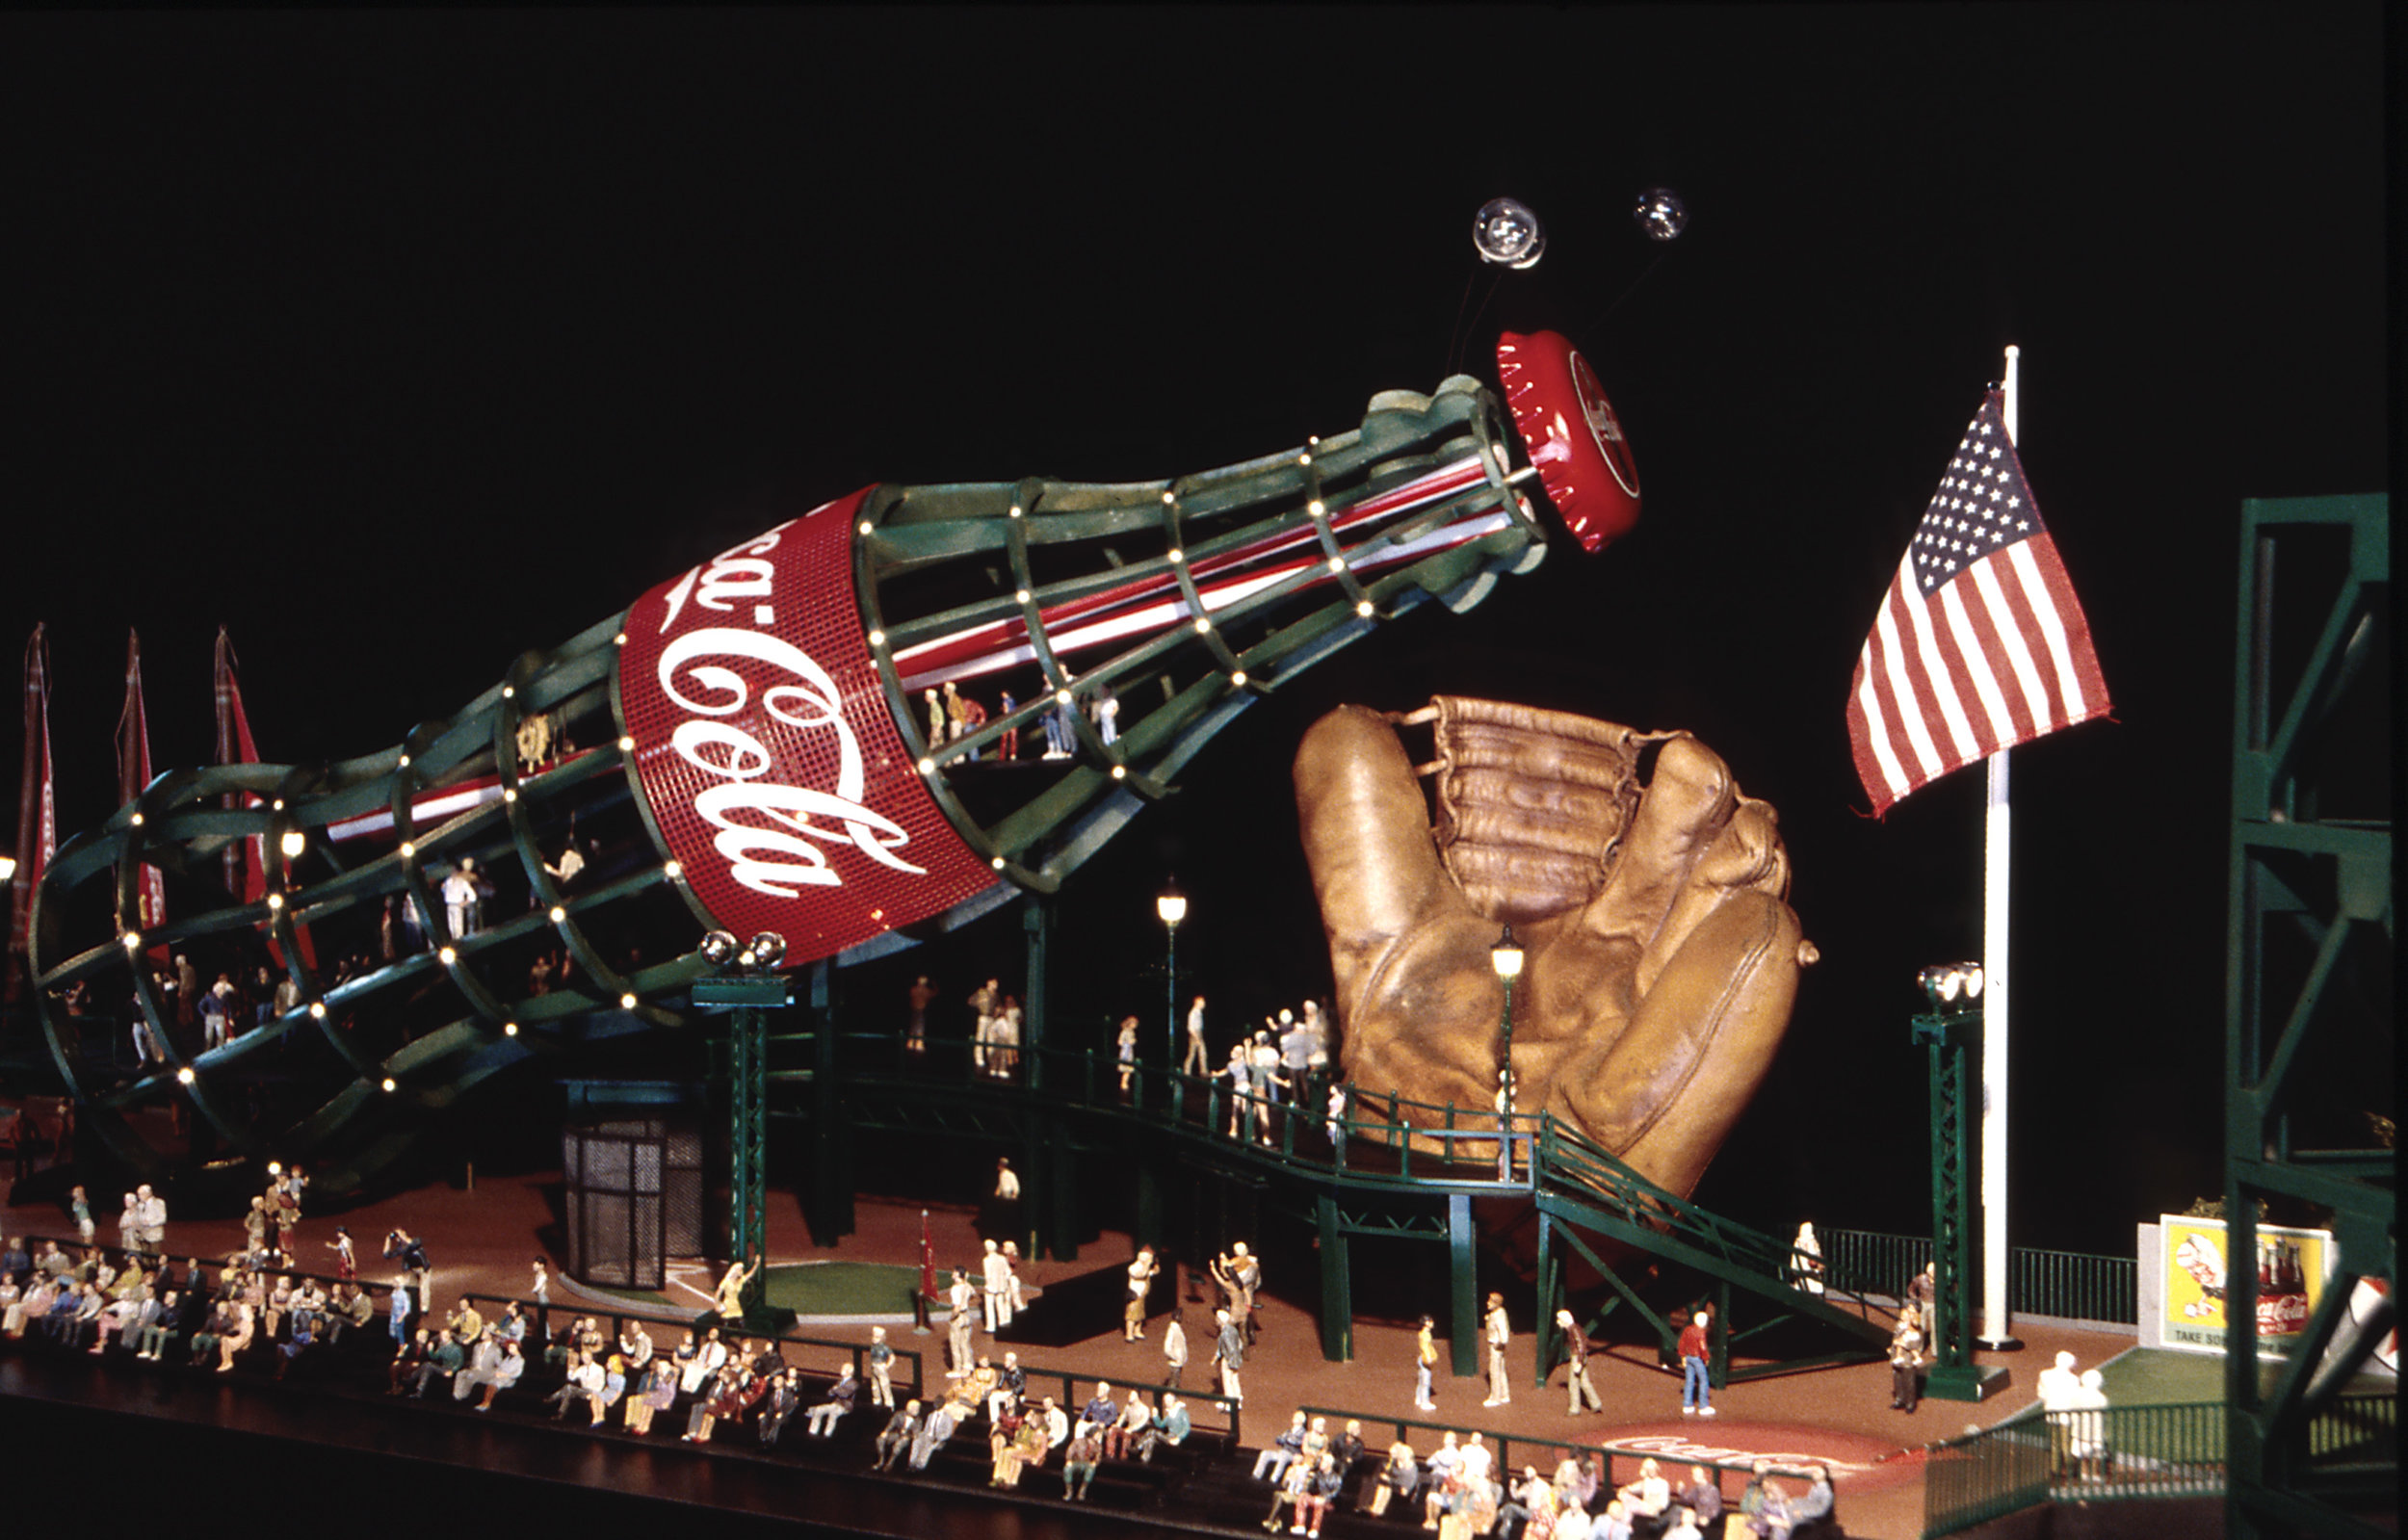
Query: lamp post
pixel 1172 905
pixel 743 977
pixel 1505 956
pixel 1951 1029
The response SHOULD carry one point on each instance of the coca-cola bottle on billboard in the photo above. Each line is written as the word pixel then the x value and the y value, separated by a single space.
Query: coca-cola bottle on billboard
pixel 2282 1291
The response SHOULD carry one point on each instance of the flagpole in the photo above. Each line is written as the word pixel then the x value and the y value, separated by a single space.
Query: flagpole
pixel 1995 869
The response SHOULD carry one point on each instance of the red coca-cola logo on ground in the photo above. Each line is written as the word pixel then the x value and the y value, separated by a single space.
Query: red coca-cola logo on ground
pixel 768 757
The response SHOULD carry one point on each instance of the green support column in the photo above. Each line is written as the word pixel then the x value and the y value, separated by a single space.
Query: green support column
pixel 751 996
pixel 827 1208
pixel 1336 1285
pixel 1718 1338
pixel 1060 1194
pixel 1463 1279
pixel 1037 925
pixel 1149 1225
pixel 1550 1288
pixel 1953 1039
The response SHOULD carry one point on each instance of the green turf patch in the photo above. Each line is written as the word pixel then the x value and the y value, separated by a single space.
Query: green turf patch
pixel 841 1288
pixel 2164 1376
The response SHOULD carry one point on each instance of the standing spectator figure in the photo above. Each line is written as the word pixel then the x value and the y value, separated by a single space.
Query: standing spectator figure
pixel 1576 1351
pixel 1198 1061
pixel 1174 1352
pixel 940 729
pixel 1424 1362
pixel 2088 1445
pixel 964 1300
pixel 1499 1331
pixel 729 1301
pixel 882 1369
pixel 1008 745
pixel 1141 1274
pixel 1106 714
pixel 1906 1356
pixel 1806 1259
pixel 460 898
pixel 79 1211
pixel 1240 1075
pixel 916 1031
pixel 1919 1293
pixel 1125 1052
pixel 1229 1352
pixel 2059 1386
pixel 1697 1397
pixel 996 1290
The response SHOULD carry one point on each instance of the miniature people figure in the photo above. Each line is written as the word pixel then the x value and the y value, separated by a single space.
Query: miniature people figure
pixel 997 1292
pixel 1141 1274
pixel 1240 1074
pixel 1273 1462
pixel 539 1287
pixel 1011 1278
pixel 1106 714
pixel 658 1394
pixel 1007 743
pixel 841 1396
pixel 1815 1503
pixel 153 1212
pixel 935 1430
pixel 1806 1259
pixel 460 897
pixel 916 1031
pixel 1919 1293
pixel 1906 1356
pixel 1576 1351
pixel 2090 1425
pixel 129 1226
pixel 1703 1497
pixel 1125 1052
pixel 1424 1362
pixel 896 1437
pixel 963 1299
pixel 940 725
pixel 1198 1061
pixel 1079 1461
pixel 79 1209
pixel 1229 1352
pixel 2058 1387
pixel 1174 1350
pixel 1695 1395
pixel 882 1369
pixel 729 1300
pixel 1500 1332
pixel 1647 1498
pixel 1397 1479
pixel 785 1394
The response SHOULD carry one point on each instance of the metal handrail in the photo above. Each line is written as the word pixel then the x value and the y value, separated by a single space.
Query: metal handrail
pixel 539 1314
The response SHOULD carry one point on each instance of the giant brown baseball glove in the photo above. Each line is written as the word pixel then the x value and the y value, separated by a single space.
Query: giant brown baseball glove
pixel 1647 894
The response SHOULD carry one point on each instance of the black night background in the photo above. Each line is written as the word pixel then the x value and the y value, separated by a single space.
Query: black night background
pixel 401 343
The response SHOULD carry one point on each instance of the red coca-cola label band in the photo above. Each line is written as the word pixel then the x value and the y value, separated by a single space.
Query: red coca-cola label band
pixel 770 762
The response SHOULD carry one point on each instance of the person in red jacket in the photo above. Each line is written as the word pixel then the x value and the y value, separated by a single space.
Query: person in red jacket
pixel 1695 1396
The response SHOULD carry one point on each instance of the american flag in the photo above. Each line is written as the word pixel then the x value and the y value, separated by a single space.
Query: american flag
pixel 1980 644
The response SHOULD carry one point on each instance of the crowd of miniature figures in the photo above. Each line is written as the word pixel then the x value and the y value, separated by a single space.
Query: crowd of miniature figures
pixel 717 1377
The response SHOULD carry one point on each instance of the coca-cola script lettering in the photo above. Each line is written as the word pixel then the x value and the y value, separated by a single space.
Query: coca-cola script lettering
pixel 768 756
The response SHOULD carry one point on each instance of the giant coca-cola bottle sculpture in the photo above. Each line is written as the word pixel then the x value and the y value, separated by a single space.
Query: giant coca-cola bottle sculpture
pixel 749 748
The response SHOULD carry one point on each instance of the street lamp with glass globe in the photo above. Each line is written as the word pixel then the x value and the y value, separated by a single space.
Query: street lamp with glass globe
pixel 1505 956
pixel 1171 907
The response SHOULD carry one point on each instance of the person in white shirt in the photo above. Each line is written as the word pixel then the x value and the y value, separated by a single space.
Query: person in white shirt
pixel 460 897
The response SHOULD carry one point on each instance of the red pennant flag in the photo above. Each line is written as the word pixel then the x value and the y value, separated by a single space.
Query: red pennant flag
pixel 37 805
pixel 132 746
pixel 247 861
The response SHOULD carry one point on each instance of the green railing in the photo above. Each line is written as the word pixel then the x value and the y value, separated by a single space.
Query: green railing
pixel 2174 1451
pixel 2071 1285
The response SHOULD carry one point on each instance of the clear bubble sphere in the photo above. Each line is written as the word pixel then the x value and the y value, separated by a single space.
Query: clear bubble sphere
pixel 1508 233
pixel 1660 213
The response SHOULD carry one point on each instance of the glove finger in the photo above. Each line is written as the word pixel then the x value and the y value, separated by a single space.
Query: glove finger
pixel 1664 1092
pixel 1689 799
pixel 1747 855
pixel 1366 840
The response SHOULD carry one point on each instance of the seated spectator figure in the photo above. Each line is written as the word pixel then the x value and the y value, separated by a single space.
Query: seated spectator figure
pixel 1319 1489
pixel 1399 1477
pixel 635 1344
pixel 1765 1507
pixel 1683 1524
pixel 896 1440
pixel 1647 1499
pixel 1003 1442
pixel 303 1337
pixel 483 1358
pixel 1120 1439
pixel 583 1388
pixel 1703 1497
pixel 1169 1428
pixel 1813 1514
pixel 1079 1461
pixel 656 1391
pixel 838 1406
pixel 244 1329
pixel 406 1363
pixel 504 1375
pixel 1101 1412
pixel 700 1358
pixel 1295 1479
pixel 443 1360
pixel 1272 1463
pixel 785 1394
pixel 1030 1441
pixel 724 1392
pixel 163 1327
pixel 936 1429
